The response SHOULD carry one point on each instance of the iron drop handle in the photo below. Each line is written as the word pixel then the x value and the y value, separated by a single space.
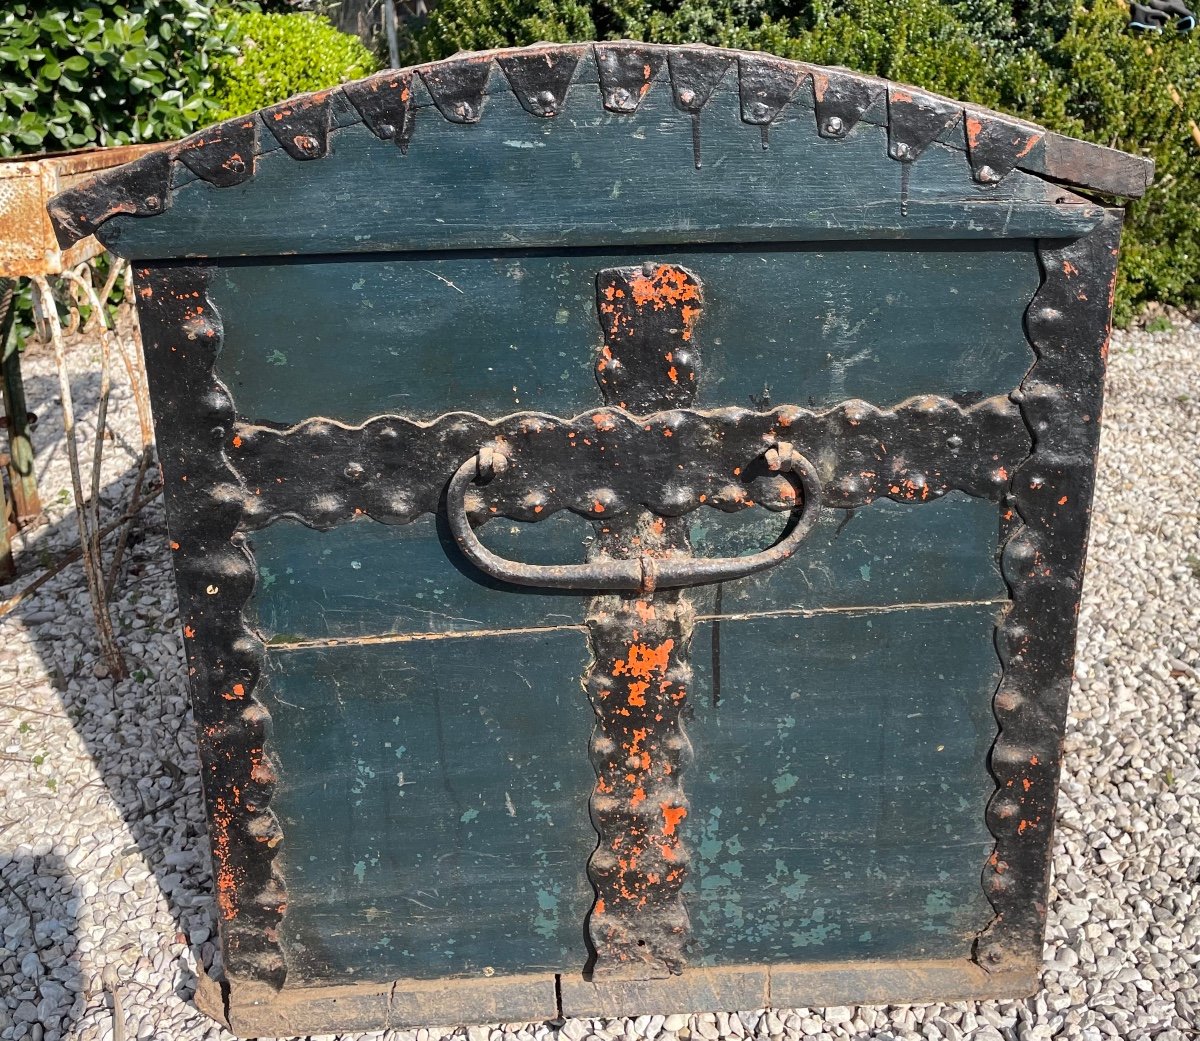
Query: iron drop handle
pixel 644 573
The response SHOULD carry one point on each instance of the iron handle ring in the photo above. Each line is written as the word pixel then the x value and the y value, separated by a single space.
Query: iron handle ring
pixel 642 574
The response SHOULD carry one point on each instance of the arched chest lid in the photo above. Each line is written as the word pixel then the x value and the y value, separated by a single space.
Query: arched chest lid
pixel 587 144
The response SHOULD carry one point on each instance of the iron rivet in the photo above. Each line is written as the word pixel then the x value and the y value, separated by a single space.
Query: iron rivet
pixel 387 130
pixel 354 471
pixel 760 110
pixel 902 150
pixel 987 175
pixel 687 96
pixel 463 110
pixel 546 100
pixel 834 126
pixel 954 442
pixel 307 145
pixel 153 202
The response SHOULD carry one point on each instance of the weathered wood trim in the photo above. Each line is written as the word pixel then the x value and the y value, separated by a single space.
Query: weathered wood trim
pixel 1092 167
pixel 405 1004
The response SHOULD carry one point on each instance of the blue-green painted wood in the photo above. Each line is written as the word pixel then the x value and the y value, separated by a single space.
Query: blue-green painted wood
pixel 423 335
pixel 365 578
pixel 434 799
pixel 839 786
pixel 587 177
pixel 434 794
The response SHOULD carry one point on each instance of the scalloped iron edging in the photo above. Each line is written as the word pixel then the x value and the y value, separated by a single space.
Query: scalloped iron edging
pixel 226 154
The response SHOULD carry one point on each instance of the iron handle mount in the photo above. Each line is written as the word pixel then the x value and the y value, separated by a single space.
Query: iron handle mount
pixel 644 573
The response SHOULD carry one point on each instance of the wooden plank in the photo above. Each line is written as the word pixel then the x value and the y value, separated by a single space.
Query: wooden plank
pixel 434 802
pixel 375 580
pixel 254 1012
pixel 531 998
pixel 1091 167
pixel 840 781
pixel 419 336
pixel 795 986
pixel 695 990
pixel 897 983
pixel 818 779
pixel 589 177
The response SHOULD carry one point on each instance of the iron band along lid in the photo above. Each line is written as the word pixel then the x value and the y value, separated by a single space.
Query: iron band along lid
pixel 457 89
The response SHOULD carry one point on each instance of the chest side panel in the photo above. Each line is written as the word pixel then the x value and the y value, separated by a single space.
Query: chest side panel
pixel 416 771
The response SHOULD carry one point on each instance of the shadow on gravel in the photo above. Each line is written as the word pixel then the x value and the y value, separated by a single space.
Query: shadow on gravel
pixel 137 731
pixel 41 987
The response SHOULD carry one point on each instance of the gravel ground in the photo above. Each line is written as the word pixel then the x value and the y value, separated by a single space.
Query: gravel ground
pixel 104 878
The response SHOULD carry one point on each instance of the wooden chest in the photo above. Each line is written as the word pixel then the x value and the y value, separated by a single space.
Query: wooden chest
pixel 629 507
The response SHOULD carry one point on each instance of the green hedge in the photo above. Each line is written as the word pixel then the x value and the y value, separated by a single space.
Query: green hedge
pixel 106 72
pixel 109 72
pixel 1073 68
pixel 278 55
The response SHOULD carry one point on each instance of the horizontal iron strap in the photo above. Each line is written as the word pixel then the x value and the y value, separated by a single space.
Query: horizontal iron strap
pixel 606 462
pixel 646 572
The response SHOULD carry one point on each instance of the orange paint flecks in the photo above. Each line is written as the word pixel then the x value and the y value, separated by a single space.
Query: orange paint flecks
pixel 222 818
pixel 188 631
pixel 1062 501
pixel 237 441
pixel 599 906
pixel 668 286
pixel 645 661
pixel 974 127
pixel 598 506
pixel 174 545
pixel 672 815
